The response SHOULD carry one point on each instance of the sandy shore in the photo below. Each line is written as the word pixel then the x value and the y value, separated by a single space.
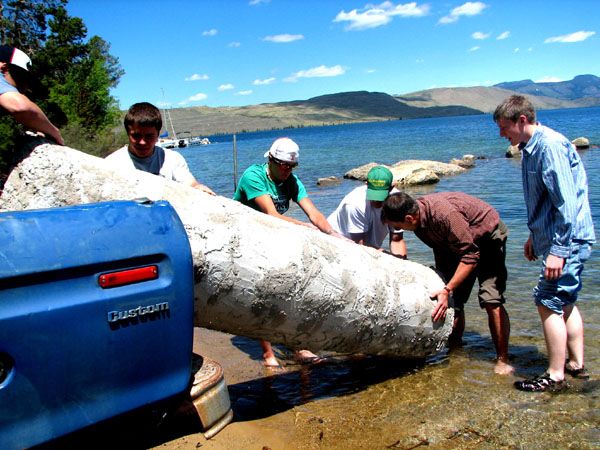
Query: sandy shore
pixel 452 402
pixel 242 366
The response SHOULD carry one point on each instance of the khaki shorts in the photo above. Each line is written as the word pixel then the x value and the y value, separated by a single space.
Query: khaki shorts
pixel 490 272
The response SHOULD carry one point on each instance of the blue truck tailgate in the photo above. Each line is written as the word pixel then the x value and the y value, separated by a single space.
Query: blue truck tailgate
pixel 96 315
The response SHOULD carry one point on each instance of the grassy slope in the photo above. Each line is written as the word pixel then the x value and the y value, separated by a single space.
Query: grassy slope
pixel 347 107
pixel 325 110
pixel 482 98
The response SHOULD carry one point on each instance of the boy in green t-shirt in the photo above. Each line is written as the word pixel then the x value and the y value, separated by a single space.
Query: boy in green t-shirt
pixel 268 188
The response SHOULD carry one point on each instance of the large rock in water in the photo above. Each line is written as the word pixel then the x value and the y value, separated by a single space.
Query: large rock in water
pixel 410 172
pixel 257 275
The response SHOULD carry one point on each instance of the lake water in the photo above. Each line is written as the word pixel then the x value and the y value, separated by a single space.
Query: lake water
pixel 454 400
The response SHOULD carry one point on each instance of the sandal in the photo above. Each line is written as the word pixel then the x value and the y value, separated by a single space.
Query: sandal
pixel 580 373
pixel 541 383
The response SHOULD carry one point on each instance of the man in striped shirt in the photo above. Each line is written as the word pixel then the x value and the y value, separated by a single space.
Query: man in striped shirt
pixel 561 233
pixel 468 241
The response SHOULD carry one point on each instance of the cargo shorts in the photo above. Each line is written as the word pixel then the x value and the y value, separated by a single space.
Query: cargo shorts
pixel 491 271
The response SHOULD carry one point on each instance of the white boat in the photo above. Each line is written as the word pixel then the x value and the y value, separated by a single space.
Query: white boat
pixel 174 142
pixel 197 140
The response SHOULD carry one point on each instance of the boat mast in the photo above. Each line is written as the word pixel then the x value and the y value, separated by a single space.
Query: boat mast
pixel 171 122
pixel 168 115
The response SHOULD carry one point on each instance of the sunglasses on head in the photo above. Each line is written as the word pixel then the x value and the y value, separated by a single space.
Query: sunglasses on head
pixel 283 163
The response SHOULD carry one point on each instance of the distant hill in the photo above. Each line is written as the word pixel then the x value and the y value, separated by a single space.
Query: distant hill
pixel 364 106
pixel 206 120
pixel 581 91
pixel 580 87
pixel 345 107
pixel 481 98
pixel 381 105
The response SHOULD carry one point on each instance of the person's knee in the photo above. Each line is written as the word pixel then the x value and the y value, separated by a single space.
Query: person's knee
pixel 494 308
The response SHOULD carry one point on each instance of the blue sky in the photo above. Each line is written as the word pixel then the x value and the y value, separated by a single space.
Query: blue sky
pixel 243 52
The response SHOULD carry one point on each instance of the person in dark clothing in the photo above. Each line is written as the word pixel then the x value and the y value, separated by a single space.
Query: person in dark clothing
pixel 468 241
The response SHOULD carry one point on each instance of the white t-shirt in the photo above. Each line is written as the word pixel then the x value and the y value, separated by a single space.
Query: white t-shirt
pixel 164 162
pixel 355 215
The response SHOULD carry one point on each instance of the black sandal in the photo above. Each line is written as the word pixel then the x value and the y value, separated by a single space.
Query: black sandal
pixel 580 373
pixel 541 383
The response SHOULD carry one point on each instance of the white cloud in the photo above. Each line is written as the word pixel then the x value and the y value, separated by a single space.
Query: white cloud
pixel 258 2
pixel 475 48
pixel 371 70
pixel 234 44
pixel 373 16
pixel 503 35
pixel 466 9
pixel 263 82
pixel 212 32
pixel 578 36
pixel 283 38
pixel 197 77
pixel 548 79
pixel 198 97
pixel 516 50
pixel 226 87
pixel 316 72
pixel 248 92
pixel 480 36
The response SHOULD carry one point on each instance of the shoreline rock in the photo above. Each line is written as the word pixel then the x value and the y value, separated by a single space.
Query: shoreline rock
pixel 580 143
pixel 328 181
pixel 412 172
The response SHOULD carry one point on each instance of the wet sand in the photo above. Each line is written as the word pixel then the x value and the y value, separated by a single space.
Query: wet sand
pixel 451 401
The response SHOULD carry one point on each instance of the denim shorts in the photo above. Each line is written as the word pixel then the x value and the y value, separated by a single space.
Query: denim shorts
pixel 557 294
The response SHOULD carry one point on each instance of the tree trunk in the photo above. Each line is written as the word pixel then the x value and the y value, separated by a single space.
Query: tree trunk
pixel 257 275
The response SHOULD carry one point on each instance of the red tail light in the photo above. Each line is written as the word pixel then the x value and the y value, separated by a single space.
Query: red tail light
pixel 123 277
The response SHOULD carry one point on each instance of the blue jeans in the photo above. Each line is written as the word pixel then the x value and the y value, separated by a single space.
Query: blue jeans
pixel 557 294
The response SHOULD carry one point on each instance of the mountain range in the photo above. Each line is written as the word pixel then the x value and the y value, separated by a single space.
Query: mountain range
pixel 364 106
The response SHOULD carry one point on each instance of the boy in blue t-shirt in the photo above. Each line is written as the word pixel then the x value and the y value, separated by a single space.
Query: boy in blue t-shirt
pixel 14 73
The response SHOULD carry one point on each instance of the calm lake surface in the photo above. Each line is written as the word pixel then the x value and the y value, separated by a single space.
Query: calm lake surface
pixel 454 400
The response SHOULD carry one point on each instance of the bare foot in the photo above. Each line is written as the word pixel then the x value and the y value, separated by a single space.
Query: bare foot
pixel 270 361
pixel 306 357
pixel 503 368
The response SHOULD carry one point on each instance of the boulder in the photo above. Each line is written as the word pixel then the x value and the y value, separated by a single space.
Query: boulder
pixel 414 177
pixel 360 173
pixel 410 172
pixel 256 275
pixel 513 151
pixel 439 168
pixel 328 181
pixel 581 143
pixel 466 162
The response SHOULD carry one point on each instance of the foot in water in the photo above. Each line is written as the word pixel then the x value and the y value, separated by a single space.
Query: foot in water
pixel 503 368
pixel 270 361
pixel 306 357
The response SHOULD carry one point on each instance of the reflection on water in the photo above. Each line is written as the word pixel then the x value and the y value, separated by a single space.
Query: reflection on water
pixel 454 400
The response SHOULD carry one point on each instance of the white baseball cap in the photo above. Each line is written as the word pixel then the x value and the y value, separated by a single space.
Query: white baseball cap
pixel 14 56
pixel 284 149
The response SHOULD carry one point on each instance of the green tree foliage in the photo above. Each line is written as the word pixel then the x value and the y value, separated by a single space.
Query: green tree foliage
pixel 23 23
pixel 71 76
pixel 83 95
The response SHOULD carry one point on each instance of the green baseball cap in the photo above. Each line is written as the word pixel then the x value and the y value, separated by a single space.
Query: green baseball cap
pixel 379 183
